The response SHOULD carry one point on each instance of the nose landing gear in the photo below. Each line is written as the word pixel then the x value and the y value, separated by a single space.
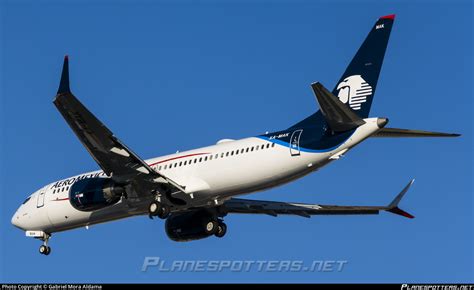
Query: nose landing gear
pixel 44 249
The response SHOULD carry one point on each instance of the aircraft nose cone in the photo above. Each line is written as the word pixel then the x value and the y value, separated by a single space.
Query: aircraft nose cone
pixel 381 122
pixel 16 221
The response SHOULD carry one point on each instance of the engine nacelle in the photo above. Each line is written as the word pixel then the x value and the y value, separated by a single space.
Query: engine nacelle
pixel 94 193
pixel 188 226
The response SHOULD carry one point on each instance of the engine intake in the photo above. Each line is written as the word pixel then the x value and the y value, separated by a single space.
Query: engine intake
pixel 94 193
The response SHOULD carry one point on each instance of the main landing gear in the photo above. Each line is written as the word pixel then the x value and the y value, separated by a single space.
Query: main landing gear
pixel 158 209
pixel 221 230
pixel 215 227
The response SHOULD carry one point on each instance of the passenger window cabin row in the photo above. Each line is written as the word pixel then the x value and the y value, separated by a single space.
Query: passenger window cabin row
pixel 197 160
pixel 213 156
pixel 61 189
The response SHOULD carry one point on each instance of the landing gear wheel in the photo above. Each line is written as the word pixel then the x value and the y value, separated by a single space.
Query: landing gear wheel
pixel 153 208
pixel 210 227
pixel 164 212
pixel 221 230
pixel 157 209
pixel 44 250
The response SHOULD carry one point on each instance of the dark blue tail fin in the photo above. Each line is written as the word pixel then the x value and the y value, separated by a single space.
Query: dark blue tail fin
pixel 356 87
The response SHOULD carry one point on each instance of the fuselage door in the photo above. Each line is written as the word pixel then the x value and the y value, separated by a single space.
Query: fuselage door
pixel 40 201
pixel 295 142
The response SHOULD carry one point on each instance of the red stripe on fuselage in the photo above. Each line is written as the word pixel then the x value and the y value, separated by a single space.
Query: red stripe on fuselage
pixel 179 157
pixel 60 199
pixel 151 164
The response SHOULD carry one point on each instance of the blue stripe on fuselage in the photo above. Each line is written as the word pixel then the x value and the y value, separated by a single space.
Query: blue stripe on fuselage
pixel 286 144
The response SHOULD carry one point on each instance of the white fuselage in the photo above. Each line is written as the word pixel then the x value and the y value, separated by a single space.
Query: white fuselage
pixel 210 175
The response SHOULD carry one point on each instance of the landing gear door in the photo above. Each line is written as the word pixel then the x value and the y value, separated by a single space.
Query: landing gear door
pixel 295 143
pixel 41 195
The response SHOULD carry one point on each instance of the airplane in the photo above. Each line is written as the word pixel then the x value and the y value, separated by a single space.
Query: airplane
pixel 194 190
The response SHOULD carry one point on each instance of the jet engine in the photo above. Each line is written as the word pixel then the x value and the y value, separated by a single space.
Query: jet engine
pixel 193 225
pixel 94 193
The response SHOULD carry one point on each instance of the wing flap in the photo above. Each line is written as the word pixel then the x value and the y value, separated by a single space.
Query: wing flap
pixel 275 208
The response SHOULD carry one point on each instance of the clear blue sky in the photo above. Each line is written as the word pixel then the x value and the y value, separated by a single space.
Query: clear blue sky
pixel 174 76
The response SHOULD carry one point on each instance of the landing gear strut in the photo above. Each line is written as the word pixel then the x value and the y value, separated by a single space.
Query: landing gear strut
pixel 44 249
pixel 158 209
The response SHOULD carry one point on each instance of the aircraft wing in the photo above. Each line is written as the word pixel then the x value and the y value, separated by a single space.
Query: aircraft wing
pixel 113 156
pixel 274 208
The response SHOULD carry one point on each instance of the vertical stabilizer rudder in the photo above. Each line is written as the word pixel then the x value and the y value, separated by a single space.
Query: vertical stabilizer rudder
pixel 356 87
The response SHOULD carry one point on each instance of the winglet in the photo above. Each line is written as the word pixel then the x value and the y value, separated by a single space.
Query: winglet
pixel 64 84
pixel 393 206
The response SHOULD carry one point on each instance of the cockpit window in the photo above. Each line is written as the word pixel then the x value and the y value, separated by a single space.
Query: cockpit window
pixel 26 200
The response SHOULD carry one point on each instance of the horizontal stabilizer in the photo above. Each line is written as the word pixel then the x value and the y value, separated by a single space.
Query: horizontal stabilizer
pixel 395 132
pixel 337 115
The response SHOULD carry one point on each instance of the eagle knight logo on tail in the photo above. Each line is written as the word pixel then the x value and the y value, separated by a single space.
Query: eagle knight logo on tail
pixel 354 90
